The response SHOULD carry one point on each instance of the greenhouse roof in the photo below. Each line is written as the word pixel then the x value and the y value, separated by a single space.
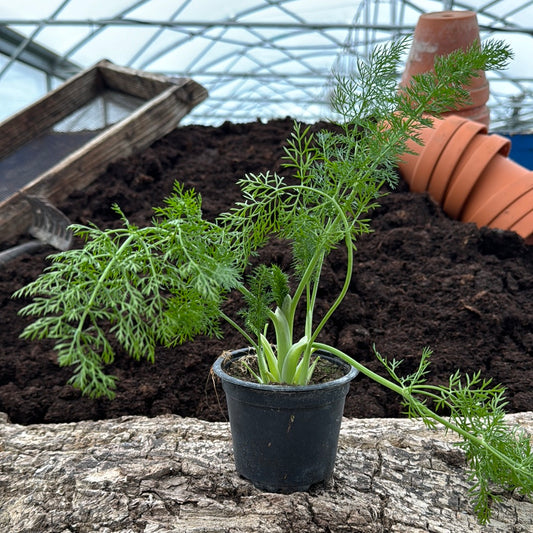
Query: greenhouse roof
pixel 259 59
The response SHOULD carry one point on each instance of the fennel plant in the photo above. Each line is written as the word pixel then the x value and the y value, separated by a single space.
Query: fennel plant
pixel 166 283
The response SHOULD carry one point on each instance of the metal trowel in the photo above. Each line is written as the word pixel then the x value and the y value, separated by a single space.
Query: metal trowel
pixel 49 227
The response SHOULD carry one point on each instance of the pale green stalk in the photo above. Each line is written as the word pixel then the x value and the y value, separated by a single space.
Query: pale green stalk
pixel 485 466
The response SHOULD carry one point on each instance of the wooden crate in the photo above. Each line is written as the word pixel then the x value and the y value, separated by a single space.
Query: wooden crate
pixel 163 102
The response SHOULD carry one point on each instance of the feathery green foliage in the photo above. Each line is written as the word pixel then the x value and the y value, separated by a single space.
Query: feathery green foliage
pixel 138 287
pixel 496 453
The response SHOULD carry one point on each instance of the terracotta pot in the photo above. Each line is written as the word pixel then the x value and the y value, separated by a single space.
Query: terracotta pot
pixel 503 181
pixel 524 228
pixel 479 95
pixel 477 114
pixel 417 168
pixel 474 160
pixel 439 34
pixel 468 172
pixel 514 212
pixel 450 157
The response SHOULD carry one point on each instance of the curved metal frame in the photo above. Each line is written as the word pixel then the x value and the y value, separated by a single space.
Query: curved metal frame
pixel 293 80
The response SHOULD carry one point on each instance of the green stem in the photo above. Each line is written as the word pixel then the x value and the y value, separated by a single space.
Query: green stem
pixel 363 369
pixel 427 413
pixel 243 332
pixel 305 280
pixel 311 298
pixel 344 290
pixel 468 436
pixel 318 259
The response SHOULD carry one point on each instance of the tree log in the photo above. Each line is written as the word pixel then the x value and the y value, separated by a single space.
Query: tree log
pixel 172 474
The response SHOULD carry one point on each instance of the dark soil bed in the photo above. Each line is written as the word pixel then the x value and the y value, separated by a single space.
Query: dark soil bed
pixel 420 279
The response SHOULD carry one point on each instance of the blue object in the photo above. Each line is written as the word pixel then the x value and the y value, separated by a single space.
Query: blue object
pixel 521 149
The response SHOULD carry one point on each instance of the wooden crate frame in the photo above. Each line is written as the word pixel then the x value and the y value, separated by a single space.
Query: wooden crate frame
pixel 168 100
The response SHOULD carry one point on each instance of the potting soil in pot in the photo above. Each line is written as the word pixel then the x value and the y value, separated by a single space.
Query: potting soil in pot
pixel 420 279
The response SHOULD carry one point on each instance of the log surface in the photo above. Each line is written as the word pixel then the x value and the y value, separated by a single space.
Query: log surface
pixel 172 474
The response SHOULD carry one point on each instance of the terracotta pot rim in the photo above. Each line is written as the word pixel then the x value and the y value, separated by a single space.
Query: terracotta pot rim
pixel 477 157
pixel 479 96
pixel 498 202
pixel 449 158
pixel 514 211
pixel 447 14
pixel 524 227
pixel 431 151
pixel 478 114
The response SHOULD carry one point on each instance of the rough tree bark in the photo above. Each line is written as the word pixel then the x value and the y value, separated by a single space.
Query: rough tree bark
pixel 166 474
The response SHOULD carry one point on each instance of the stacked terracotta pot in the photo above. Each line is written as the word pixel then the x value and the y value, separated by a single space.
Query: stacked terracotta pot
pixel 469 174
pixel 463 168
pixel 439 34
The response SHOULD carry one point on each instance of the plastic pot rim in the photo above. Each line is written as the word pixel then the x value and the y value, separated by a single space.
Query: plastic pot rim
pixel 218 369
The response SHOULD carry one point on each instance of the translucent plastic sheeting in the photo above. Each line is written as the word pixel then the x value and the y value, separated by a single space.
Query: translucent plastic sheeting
pixel 106 109
pixel 257 58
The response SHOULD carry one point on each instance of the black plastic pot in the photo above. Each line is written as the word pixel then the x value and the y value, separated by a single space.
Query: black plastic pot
pixel 284 437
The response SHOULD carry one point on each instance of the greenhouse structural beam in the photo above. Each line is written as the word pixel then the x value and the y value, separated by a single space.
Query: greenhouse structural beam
pixel 307 26
pixel 302 26
pixel 34 55
pixel 204 24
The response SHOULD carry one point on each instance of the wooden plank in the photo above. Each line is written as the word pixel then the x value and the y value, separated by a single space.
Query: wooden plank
pixel 154 119
pixel 134 82
pixel 47 111
pixel 15 218
pixel 151 121
pixel 190 93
